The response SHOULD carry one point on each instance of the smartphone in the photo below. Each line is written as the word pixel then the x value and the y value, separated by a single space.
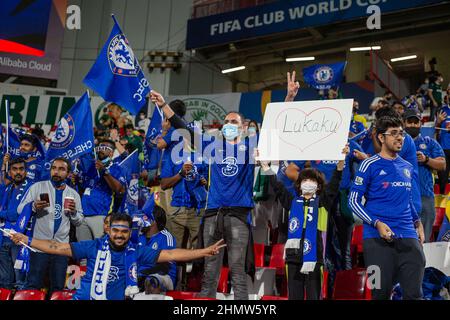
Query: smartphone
pixel 44 197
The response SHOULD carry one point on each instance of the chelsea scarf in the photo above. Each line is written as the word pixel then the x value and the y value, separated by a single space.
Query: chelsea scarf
pixel 296 222
pixel 102 267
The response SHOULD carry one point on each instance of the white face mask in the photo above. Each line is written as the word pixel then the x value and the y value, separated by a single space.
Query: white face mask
pixel 308 187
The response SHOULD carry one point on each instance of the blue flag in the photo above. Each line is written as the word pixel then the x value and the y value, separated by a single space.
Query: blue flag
pixel 74 136
pixel 151 153
pixel 116 74
pixel 324 76
pixel 131 167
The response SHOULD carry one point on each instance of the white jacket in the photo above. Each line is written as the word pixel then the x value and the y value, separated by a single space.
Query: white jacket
pixel 43 228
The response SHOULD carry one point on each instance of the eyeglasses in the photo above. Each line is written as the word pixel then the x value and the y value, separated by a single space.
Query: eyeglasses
pixel 395 134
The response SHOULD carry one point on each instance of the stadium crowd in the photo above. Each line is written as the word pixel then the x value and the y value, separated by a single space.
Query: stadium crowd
pixel 205 203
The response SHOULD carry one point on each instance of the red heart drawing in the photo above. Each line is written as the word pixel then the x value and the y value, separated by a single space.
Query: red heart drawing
pixel 291 125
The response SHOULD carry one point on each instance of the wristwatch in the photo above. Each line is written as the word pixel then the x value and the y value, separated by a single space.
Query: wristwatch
pixel 427 158
pixel 181 173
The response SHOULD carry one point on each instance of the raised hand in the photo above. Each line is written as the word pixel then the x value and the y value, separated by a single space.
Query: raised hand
pixel 292 87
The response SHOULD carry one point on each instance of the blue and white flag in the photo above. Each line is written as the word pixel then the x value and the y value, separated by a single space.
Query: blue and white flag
pixel 116 74
pixel 131 167
pixel 13 145
pixel 324 76
pixel 74 136
pixel 151 153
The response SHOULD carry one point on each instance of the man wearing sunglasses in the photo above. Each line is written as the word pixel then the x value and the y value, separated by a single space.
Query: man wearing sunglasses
pixel 393 232
pixel 106 180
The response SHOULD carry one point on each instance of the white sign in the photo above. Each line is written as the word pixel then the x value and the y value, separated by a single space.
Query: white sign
pixel 306 130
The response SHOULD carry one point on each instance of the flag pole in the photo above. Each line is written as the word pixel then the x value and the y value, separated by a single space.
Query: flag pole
pixel 95 152
pixel 7 131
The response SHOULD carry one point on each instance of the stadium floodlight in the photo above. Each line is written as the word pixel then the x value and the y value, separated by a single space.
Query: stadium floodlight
pixel 404 58
pixel 365 48
pixel 233 69
pixel 300 59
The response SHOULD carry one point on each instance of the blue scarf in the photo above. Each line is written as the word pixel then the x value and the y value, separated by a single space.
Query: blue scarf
pixel 296 222
pixel 23 258
pixel 102 267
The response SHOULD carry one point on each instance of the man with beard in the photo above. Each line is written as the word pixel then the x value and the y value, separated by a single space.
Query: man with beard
pixel 393 231
pixel 28 149
pixel 55 206
pixel 113 260
pixel 8 218
pixel 106 182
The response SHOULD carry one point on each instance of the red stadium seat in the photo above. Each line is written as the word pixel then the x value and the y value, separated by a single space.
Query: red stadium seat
pixel 62 295
pixel 259 254
pixel 437 189
pixel 277 258
pixel 181 295
pixel 447 189
pixel 325 285
pixel 267 298
pixel 29 295
pixel 222 286
pixel 357 238
pixel 200 298
pixel 5 294
pixel 351 285
pixel 440 213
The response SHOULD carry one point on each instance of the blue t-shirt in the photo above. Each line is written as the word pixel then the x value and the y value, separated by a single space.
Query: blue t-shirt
pixel 232 174
pixel 115 289
pixel 183 191
pixel 444 137
pixel 387 188
pixel 98 196
pixel 431 148
pixel 163 240
pixel 58 209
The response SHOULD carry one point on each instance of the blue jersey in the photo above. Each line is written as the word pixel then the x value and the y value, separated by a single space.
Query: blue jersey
pixel 115 289
pixel 163 240
pixel 183 192
pixel 8 209
pixel 327 167
pixel 98 196
pixel 431 148
pixel 350 161
pixel 231 174
pixel 408 153
pixel 444 137
pixel 387 188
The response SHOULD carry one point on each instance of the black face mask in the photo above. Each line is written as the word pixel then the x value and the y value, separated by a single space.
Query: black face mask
pixel 413 131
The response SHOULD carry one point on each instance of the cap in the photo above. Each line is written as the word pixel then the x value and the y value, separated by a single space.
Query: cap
pixel 410 113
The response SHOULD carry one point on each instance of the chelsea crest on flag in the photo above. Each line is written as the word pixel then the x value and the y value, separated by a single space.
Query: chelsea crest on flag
pixel 116 75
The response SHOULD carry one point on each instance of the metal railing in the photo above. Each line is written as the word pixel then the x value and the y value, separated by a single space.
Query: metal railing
pixel 383 74
pixel 213 7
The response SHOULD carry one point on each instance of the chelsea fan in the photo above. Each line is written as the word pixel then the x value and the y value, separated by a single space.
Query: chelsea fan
pixel 13 194
pixel 105 180
pixel 160 277
pixel 112 260
pixel 430 157
pixel 28 151
pixel 393 232
pixel 308 219
pixel 230 197
pixel 55 207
